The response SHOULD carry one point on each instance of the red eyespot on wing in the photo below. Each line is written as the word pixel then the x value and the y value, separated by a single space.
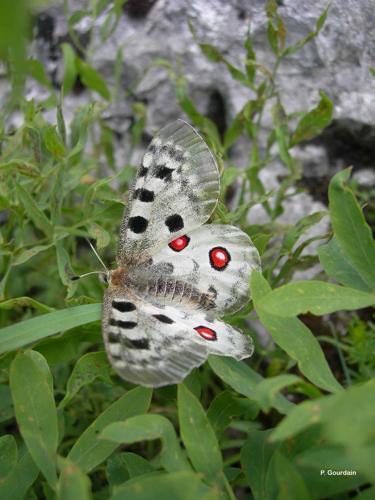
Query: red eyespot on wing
pixel 179 243
pixel 219 258
pixel 205 332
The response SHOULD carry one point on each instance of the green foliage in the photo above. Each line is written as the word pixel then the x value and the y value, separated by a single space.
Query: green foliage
pixel 70 428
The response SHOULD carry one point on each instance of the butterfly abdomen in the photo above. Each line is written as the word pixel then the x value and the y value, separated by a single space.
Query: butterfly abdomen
pixel 170 290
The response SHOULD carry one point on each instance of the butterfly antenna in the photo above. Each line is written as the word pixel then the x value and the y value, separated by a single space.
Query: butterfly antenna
pixel 75 278
pixel 96 253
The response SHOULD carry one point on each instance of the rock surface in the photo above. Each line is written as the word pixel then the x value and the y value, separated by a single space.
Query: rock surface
pixel 337 62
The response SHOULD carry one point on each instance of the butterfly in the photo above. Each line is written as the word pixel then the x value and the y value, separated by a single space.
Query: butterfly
pixel 175 276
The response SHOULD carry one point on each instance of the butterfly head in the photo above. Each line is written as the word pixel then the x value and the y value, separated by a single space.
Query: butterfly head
pixel 116 277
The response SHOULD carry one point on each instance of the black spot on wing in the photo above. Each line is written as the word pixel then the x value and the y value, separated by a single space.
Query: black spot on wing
pixel 144 195
pixel 122 324
pixel 123 306
pixel 152 148
pixel 163 172
pixel 174 223
pixel 142 171
pixel 163 318
pixel 137 343
pixel 138 224
pixel 113 337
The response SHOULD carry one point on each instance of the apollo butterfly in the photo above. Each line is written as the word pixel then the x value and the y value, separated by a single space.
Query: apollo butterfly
pixel 175 276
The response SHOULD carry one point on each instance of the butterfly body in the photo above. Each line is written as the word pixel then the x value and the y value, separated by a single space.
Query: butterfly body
pixel 175 276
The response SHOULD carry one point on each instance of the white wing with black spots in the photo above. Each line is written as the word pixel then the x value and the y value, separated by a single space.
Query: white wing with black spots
pixel 174 277
pixel 215 259
pixel 175 190
pixel 156 346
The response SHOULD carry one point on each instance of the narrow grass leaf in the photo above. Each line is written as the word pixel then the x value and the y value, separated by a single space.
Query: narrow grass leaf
pixel 177 486
pixel 244 380
pixel 31 330
pixel 316 297
pixel 91 366
pixel 33 212
pixel 70 70
pixel 73 483
pixel 198 436
pixel 28 253
pixel 22 166
pixel 21 477
pixel 146 427
pixel 89 451
pixel 93 80
pixel 352 232
pixel 36 414
pixel 303 225
pixel 295 338
pixel 25 302
pixel 8 455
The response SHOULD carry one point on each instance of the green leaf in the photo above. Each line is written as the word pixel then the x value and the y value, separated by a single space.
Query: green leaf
pixel 70 69
pixel 37 71
pixel 53 142
pixel 35 411
pixel 123 466
pixel 65 269
pixel 32 330
pixel 101 236
pixel 146 427
pixel 225 406
pixel 88 368
pixel 8 456
pixel 93 80
pixel 21 477
pixel 33 211
pixel 244 380
pixel 177 486
pixel 73 483
pixel 228 176
pixel 89 451
pixel 198 436
pixel 337 266
pixel 295 338
pixel 351 230
pixel 25 302
pixel 268 389
pixel 317 297
pixel 313 122
pixel 24 255
pixel 290 483
pixel 346 430
pixel 303 225
pixel 282 134
pixel 256 455
pixel 22 166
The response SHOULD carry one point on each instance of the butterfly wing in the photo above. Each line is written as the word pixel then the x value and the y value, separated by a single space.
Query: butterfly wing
pixel 216 259
pixel 175 190
pixel 154 345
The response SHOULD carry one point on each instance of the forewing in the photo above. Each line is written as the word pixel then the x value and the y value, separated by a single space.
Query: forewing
pixel 154 345
pixel 175 190
pixel 216 259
